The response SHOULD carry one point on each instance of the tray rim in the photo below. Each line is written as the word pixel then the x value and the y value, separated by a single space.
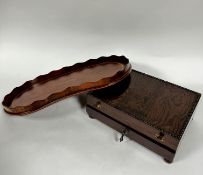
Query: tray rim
pixel 58 96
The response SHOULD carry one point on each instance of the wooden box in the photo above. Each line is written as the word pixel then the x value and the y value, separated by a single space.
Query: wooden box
pixel 153 112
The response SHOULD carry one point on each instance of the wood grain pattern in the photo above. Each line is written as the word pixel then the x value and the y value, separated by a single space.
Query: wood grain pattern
pixel 162 105
pixel 79 78
pixel 155 112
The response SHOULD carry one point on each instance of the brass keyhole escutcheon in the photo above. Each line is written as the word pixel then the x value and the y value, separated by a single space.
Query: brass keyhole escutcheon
pixel 98 104
pixel 160 136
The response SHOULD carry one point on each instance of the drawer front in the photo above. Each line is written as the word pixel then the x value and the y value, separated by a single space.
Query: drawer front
pixel 132 134
pixel 133 123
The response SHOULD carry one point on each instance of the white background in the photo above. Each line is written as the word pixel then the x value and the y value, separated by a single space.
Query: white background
pixel 163 38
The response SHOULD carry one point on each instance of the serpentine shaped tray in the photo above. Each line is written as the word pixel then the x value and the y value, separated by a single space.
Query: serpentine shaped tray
pixel 80 78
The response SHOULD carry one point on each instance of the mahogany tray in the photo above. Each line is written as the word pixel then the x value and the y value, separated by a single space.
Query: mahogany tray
pixel 57 85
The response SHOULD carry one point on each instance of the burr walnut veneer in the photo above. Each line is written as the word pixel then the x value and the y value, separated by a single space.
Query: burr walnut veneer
pixel 151 111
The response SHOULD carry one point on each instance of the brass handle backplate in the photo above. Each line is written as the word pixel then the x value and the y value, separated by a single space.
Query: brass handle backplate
pixel 160 136
pixel 98 104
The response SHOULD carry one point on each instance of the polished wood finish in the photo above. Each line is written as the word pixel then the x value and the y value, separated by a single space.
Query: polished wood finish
pixel 79 78
pixel 168 154
pixel 156 109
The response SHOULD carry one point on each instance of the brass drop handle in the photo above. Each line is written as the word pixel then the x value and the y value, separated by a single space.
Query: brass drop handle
pixel 124 133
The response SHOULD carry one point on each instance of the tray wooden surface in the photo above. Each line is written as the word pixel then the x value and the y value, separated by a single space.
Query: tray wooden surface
pixel 79 78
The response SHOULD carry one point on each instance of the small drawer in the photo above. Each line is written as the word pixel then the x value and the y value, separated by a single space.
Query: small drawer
pixel 133 123
pixel 156 147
